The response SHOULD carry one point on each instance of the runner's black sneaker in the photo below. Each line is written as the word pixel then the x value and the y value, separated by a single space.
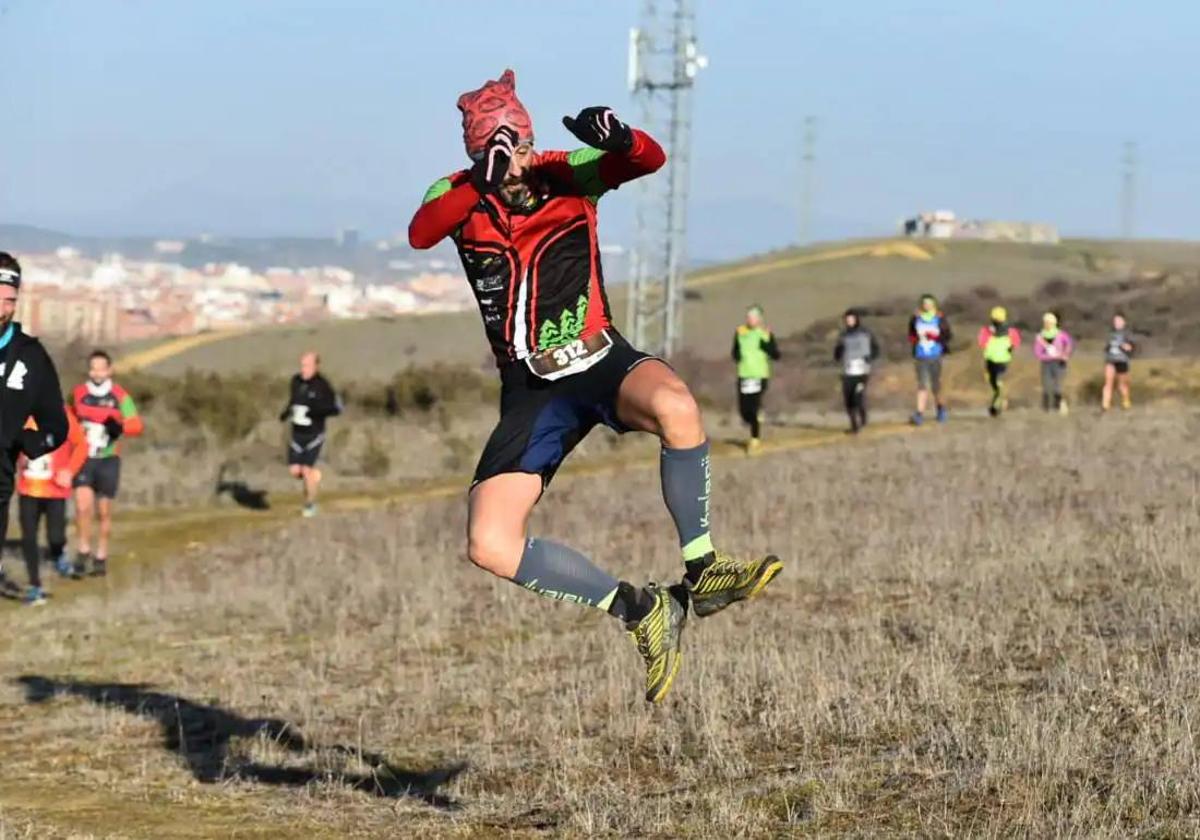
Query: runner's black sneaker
pixel 658 637
pixel 725 580
pixel 80 568
pixel 99 567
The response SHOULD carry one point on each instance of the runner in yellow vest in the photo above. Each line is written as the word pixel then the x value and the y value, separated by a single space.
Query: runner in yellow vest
pixel 998 340
pixel 753 349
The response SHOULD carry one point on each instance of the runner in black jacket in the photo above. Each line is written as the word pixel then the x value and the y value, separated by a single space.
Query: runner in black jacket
pixel 311 400
pixel 30 389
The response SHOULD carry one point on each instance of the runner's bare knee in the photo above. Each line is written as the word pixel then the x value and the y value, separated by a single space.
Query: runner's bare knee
pixel 677 416
pixel 499 513
pixel 494 549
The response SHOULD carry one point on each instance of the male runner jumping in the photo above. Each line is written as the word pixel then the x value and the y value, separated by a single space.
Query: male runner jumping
pixel 107 412
pixel 524 223
pixel 311 400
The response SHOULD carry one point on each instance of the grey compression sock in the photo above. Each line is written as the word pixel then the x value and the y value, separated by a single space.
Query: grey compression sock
pixel 562 573
pixel 686 486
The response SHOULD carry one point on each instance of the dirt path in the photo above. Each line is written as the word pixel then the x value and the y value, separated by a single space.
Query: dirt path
pixel 148 535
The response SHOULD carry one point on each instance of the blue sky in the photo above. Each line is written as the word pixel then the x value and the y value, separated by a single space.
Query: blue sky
pixel 272 117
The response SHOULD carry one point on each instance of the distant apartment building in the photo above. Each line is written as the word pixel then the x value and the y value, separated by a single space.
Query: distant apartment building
pixel 72 317
pixel 112 298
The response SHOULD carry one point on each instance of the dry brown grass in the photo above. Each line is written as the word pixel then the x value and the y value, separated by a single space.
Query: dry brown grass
pixel 977 635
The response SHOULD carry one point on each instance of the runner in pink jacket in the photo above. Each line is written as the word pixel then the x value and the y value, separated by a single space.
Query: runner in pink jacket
pixel 1053 348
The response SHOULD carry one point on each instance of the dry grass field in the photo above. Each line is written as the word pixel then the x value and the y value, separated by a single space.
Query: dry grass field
pixel 988 630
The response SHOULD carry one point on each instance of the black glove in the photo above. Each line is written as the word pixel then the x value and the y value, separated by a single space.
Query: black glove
pixel 488 172
pixel 35 444
pixel 114 427
pixel 599 127
pixel 285 414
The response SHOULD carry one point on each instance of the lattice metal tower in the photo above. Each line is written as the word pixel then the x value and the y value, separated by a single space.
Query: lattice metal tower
pixel 663 61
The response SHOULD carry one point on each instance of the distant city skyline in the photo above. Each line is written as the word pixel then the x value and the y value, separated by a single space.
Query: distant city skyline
pixel 132 117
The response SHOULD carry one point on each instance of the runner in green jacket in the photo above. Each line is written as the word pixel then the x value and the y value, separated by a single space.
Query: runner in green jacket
pixel 754 348
pixel 998 340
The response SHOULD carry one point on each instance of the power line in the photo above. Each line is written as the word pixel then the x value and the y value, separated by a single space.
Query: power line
pixel 1129 164
pixel 808 159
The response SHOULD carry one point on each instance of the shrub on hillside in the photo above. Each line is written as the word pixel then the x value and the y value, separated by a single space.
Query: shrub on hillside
pixel 230 407
pixel 421 389
pixel 374 461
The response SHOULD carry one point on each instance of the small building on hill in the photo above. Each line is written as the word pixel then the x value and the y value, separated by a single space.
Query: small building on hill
pixel 944 224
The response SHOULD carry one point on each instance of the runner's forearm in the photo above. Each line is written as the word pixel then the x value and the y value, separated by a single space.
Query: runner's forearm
pixel 437 219
pixel 644 157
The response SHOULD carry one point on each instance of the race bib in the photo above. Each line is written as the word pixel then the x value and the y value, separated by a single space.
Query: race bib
pixel 571 358
pixel 750 386
pixel 857 367
pixel 97 437
pixel 300 416
pixel 39 469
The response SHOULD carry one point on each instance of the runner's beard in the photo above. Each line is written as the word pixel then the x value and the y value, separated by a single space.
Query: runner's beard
pixel 515 192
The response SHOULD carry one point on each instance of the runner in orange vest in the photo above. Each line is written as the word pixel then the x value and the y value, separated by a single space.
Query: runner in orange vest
pixel 43 487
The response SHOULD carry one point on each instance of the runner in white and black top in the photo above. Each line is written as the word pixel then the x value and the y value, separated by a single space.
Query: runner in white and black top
pixel 1118 353
pixel 311 400
pixel 856 349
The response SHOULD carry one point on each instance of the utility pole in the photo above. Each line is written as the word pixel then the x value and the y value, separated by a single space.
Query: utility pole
pixel 663 62
pixel 808 158
pixel 1129 164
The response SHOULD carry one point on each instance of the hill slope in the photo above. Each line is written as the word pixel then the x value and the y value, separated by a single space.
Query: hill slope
pixel 797 287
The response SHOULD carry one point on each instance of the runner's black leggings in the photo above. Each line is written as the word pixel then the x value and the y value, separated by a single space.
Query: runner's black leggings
pixel 995 378
pixel 30 511
pixel 854 395
pixel 750 406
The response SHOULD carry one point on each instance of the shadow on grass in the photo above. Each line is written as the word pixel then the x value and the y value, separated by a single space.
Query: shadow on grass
pixel 200 734
pixel 242 493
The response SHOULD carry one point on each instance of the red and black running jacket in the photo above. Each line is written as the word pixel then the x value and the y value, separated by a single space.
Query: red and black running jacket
pixel 535 270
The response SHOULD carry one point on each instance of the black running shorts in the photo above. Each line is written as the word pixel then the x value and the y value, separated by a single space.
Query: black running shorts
pixel 542 421
pixel 103 475
pixel 305 449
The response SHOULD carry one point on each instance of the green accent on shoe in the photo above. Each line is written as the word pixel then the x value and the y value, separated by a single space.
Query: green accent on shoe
pixel 658 636
pixel 697 548
pixel 607 600
pixel 726 581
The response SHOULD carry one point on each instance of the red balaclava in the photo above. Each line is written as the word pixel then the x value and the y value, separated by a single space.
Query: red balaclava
pixel 493 105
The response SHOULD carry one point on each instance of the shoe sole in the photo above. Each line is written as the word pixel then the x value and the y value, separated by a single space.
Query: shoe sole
pixel 772 568
pixel 667 682
pixel 665 686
